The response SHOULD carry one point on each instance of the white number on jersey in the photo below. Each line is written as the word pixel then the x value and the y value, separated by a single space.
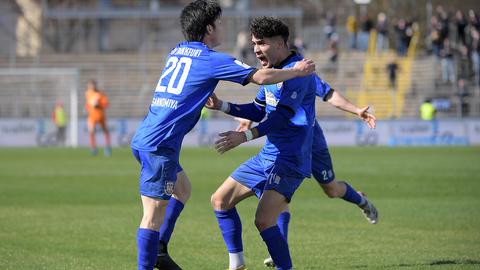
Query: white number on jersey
pixel 175 65
pixel 324 173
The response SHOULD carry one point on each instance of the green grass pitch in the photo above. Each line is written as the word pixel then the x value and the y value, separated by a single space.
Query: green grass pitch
pixel 63 209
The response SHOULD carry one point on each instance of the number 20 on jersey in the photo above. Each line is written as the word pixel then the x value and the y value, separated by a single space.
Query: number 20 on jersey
pixel 178 67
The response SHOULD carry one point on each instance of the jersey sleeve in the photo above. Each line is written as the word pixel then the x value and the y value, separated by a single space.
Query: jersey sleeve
pixel 260 98
pixel 322 87
pixel 293 92
pixel 225 67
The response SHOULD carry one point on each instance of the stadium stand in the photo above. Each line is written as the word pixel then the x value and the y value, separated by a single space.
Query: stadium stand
pixel 128 72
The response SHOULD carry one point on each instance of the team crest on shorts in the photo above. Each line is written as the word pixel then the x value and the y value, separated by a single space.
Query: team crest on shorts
pixel 169 188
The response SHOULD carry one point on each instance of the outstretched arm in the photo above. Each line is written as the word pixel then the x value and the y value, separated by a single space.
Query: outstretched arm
pixel 339 101
pixel 276 120
pixel 264 76
pixel 249 111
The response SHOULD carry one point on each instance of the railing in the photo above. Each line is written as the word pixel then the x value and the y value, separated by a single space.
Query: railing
pixel 386 99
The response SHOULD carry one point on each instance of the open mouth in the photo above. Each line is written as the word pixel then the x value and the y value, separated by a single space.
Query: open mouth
pixel 263 60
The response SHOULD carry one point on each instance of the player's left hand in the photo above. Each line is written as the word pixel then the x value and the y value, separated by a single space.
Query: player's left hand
pixel 304 67
pixel 229 140
pixel 367 117
pixel 243 124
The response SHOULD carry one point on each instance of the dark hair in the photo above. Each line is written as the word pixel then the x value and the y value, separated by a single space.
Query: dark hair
pixel 196 16
pixel 267 27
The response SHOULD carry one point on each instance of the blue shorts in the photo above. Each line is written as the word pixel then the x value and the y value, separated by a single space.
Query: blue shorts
pixel 322 168
pixel 158 172
pixel 259 175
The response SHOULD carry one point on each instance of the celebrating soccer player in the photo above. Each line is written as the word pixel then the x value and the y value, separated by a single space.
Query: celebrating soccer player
pixel 322 168
pixel 275 173
pixel 191 73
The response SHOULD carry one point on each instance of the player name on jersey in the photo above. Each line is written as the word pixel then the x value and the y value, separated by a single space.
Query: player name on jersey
pixel 185 51
pixel 165 102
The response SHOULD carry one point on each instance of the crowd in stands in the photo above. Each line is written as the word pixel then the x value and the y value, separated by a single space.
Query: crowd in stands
pixel 457 50
pixel 360 29
pixel 454 41
pixel 453 37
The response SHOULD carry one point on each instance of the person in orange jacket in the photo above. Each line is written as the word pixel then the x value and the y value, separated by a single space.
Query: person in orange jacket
pixel 95 104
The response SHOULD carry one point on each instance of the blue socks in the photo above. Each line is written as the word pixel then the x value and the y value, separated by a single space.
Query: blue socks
pixel 277 247
pixel 147 244
pixel 174 208
pixel 231 227
pixel 282 222
pixel 352 196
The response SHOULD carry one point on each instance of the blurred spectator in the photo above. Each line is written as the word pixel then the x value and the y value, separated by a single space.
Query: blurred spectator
pixel 392 68
pixel 243 49
pixel 462 94
pixel 203 127
pixel 382 32
pixel 448 68
pixel 473 19
pixel 298 45
pixel 351 26
pixel 444 23
pixel 461 23
pixel 463 63
pixel 329 28
pixel 366 25
pixel 427 110
pixel 59 118
pixel 404 35
pixel 333 48
pixel 475 51
pixel 436 43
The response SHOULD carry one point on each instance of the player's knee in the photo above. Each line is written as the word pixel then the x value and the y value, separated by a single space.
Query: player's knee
pixel 262 222
pixel 152 222
pixel 218 202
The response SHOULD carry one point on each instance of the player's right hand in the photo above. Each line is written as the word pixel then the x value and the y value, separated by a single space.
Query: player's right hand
pixel 213 103
pixel 367 117
pixel 304 67
pixel 229 140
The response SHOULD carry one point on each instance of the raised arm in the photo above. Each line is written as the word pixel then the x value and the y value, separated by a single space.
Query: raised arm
pixel 338 100
pixel 271 76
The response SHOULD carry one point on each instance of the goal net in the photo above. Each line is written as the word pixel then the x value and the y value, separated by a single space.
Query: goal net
pixel 30 94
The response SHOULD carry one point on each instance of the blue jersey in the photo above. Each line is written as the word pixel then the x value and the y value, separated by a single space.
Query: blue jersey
pixel 322 90
pixel 293 144
pixel 191 73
